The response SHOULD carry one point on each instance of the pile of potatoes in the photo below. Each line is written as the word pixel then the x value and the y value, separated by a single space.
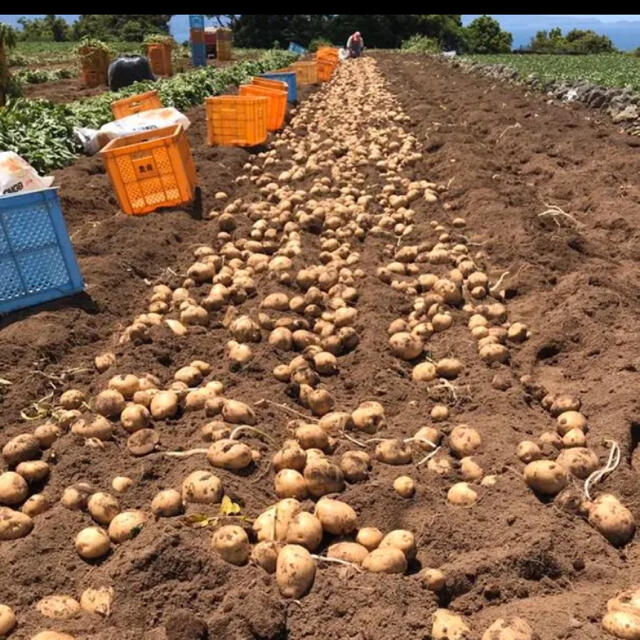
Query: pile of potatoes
pixel 622 619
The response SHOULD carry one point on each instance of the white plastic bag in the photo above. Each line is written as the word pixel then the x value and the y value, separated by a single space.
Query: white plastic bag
pixel 17 175
pixel 343 54
pixel 93 140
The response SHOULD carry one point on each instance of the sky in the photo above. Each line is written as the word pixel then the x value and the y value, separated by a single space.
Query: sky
pixel 624 30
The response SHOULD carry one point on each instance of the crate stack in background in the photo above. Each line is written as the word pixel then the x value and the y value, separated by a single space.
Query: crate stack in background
pixel 196 41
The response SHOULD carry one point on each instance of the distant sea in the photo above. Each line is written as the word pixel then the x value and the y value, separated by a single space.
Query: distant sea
pixel 625 38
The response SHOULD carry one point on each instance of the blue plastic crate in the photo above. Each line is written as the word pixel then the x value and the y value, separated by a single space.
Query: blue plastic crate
pixel 297 48
pixel 37 262
pixel 196 22
pixel 199 55
pixel 289 78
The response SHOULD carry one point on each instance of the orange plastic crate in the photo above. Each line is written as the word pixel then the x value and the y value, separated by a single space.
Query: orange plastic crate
pixel 236 121
pixel 306 72
pixel 93 77
pixel 325 69
pixel 140 102
pixel 151 169
pixel 276 107
pixel 328 52
pixel 271 84
pixel 159 55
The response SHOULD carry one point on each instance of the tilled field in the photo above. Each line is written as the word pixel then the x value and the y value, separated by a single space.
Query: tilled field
pixel 397 245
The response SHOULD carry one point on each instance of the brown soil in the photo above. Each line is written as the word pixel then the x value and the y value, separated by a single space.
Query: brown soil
pixel 510 554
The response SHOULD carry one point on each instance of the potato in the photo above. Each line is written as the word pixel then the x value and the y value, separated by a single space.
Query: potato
pixel 369 416
pixel 564 403
pixel 92 543
pixel 400 539
pixel 295 571
pixel 369 537
pixel 167 503
pixel 569 420
pixel 103 507
pixel 581 462
pixel 449 368
pixel 14 524
pixel 509 629
pixel 348 551
pixel 164 404
pixel 355 465
pixel 13 488
pixel 439 413
pixel 291 456
pixel 33 471
pixel 58 607
pixel 612 519
pixel 72 399
pixel 47 434
pixel 546 477
pixel 528 451
pixel 273 523
pixel 52 635
pixel 135 417
pixel 325 363
pixel 405 346
pixel 448 291
pixel 77 495
pixel 389 560
pixel 322 477
pixel 393 451
pixel 35 505
pixel 424 372
pixel 464 440
pixel 229 454
pixel 622 624
pixel 7 620
pixel 109 403
pixel 190 375
pixel 290 484
pixel 551 438
pixel 493 353
pixel 127 385
pixel 449 626
pixel 312 436
pixel 99 428
pixel 336 422
pixel 237 412
pixel 97 600
pixel 202 487
pixel 104 361
pixel 470 470
pixel 574 438
pixel 462 494
pixel 320 401
pixel 425 437
pixel 306 530
pixel 232 544
pixel 404 486
pixel 126 525
pixel 336 517
pixel 433 579
pixel 23 447
pixel 265 555
pixel 628 600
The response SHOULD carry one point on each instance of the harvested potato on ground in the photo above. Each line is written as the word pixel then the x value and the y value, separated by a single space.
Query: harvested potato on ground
pixel 612 519
pixel 337 517
pixel 369 537
pixel 52 635
pixel 449 368
pixel 509 629
pixel 72 399
pixel 109 403
pixel 400 539
pixel 564 402
pixel 622 624
pixel 126 525
pixel 470 470
pixel 322 477
pixel 490 353
pixel 528 451
pixel 569 420
pixel 105 360
pixel 290 483
pixel 58 607
pixel 103 507
pixel 99 428
pixel 355 465
pixel 546 477
pixel 13 488
pixel 273 523
pixel 580 461
pixel 265 555
pixel 7 620
pixel 390 560
pixel 295 571
pixel 439 413
pixel 92 542
pixel 464 440
pixel 121 484
pixel 142 442
pixel 164 404
pixel 47 434
pixel 369 416
pixel 77 495
pixel 229 454
pixel 167 503
pixel 14 524
pixel 393 451
pixel 404 486
pixel 290 456
pixel 97 600
pixel 202 487
pixel 406 346
pixel 449 626
pixel 237 412
pixel 232 543
pixel 127 385
pixel 424 372
pixel 23 447
pixel 348 551
pixel 135 417
pixel 434 579
pixel 35 505
pixel 462 494
pixel 312 436
pixel 306 530
pixel 33 471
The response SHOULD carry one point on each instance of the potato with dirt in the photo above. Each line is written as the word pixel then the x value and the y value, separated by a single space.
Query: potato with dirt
pixel 14 524
pixel 336 517
pixel 92 543
pixel 449 626
pixel 546 477
pixel 202 487
pixel 512 628
pixel 305 529
pixel 390 560
pixel 322 477
pixel 355 465
pixel 295 571
pixel 273 523
pixel 232 544
pixel 13 488
pixel 229 454
pixel 612 519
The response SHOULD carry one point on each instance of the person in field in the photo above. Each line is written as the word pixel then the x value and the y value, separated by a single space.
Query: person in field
pixel 355 45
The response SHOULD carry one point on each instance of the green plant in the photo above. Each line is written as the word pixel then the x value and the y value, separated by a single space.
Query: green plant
pixel 316 43
pixel 420 44
pixel 88 47
pixel 8 40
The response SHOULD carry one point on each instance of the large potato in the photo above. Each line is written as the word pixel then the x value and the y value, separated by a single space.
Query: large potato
pixel 312 436
pixel 232 543
pixel 273 523
pixel 126 384
pixel 99 428
pixel 509 629
pixel 348 551
pixel 449 626
pixel 580 461
pixel 622 624
pixel 322 477
pixel 14 524
pixel 545 476
pixel 229 454
pixel 109 403
pixel 23 447
pixel 295 571
pixel 569 420
pixel 92 543
pixel 464 440
pixel 202 487
pixel 612 519
pixel 237 412
pixel 290 483
pixel 355 465
pixel 306 530
pixel 336 517
pixel 13 488
pixel 369 417
pixel 167 503
pixel 406 346
pixel 33 471
pixel 126 525
pixel 389 560
pixel 164 404
pixel 58 607
pixel 47 434
pixel 103 507
pixel 393 451
pixel 400 539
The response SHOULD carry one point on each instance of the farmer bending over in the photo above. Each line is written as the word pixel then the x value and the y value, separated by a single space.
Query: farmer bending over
pixel 355 45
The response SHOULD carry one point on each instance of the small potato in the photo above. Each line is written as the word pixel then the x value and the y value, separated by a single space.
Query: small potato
pixel 369 417
pixel 462 494
pixel 449 368
pixel 325 363
pixel 295 571
pixel 273 523
pixel 336 517
pixel 92 543
pixel 35 505
pixel 569 420
pixel 97 600
pixel 58 607
pixel 439 413
pixel 7 620
pixel 348 551
pixel 393 451
pixel 509 629
pixel 13 488
pixel 104 361
pixel 336 422
pixel 229 454
pixel 355 465
pixel 290 483
pixel 449 626
pixel 121 484
pixel 424 372
pixel 47 434
pixel 406 346
pixel 470 470
pixel 23 447
pixel 400 539
pixel 528 451
pixel 389 560
pixel 265 555
pixel 550 438
pixel 77 496
pixel 14 524
pixel 322 477
pixel 126 525
pixel 580 461
pixel 427 438
pixel 369 537
pixel 135 417
pixel 464 440
pixel 202 487
pixel 612 519
pixel 574 438
pixel 404 486
pixel 72 399
pixel 109 403
pixel 622 624
pixel 167 503
pixel 434 579
pixel 33 471
pixel 291 456
pixel 164 404
pixel 546 477
pixel 237 412
pixel 232 543
pixel 103 507
pixel 306 530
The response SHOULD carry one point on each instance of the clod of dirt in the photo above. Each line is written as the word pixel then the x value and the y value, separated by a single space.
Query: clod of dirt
pixel 183 625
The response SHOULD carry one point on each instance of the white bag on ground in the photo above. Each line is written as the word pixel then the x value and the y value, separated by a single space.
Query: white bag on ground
pixel 17 175
pixel 93 140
